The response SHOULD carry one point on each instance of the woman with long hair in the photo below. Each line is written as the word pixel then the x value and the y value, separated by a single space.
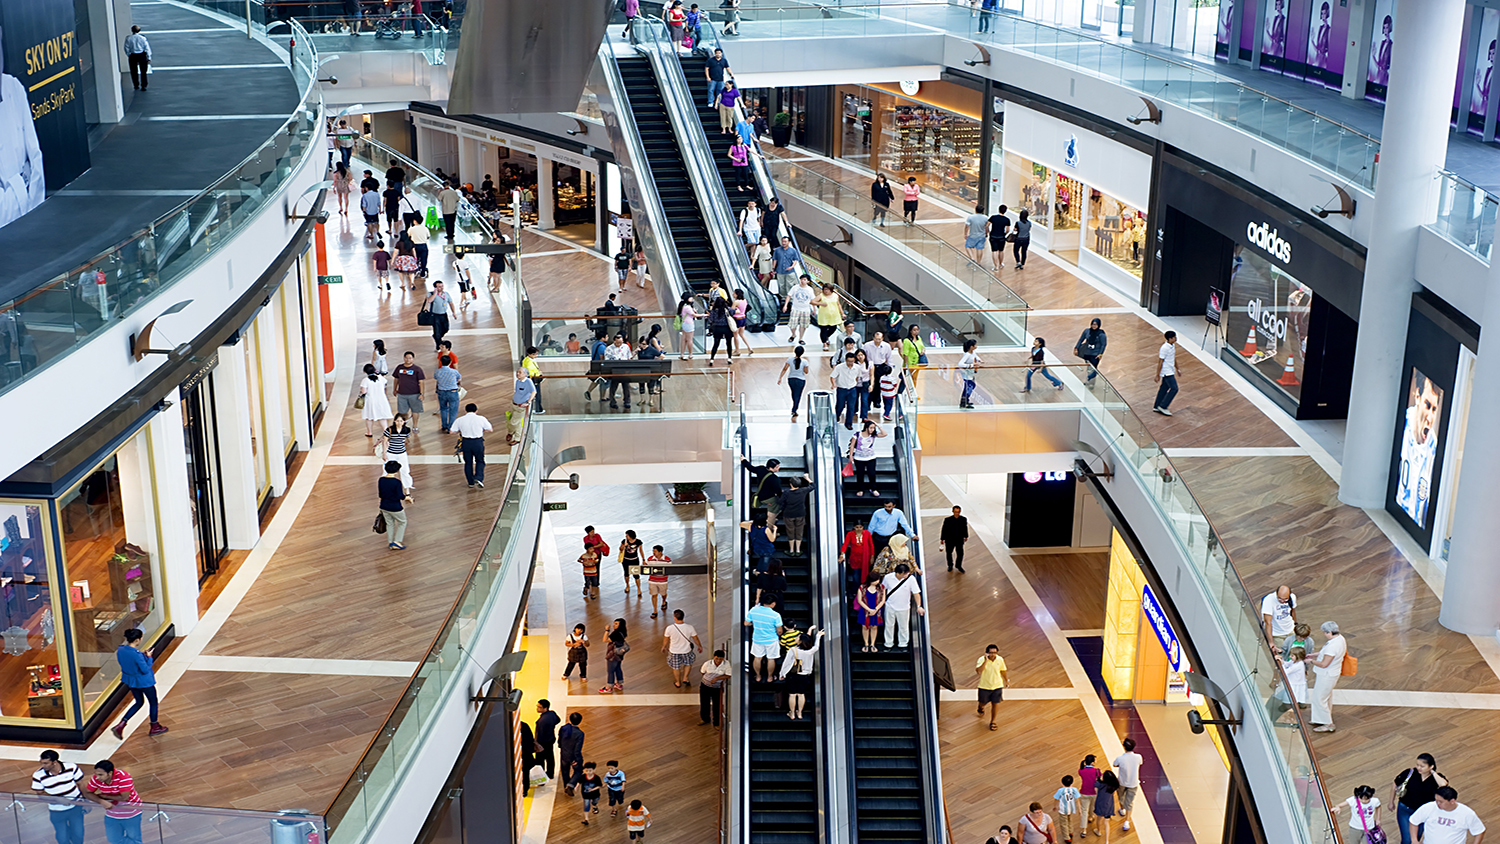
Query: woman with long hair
pixel 862 389
pixel 392 447
pixel 615 648
pixel 871 605
pixel 1039 364
pixel 630 555
pixel 1022 242
pixel 377 408
pixel 406 261
pixel 689 321
pixel 894 320
pixel 654 340
pixel 377 357
pixel 763 261
pixel 862 452
pixel 741 318
pixel 720 328
pixel 343 182
pixel 913 352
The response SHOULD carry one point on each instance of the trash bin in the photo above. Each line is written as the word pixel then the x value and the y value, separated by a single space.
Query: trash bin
pixel 294 828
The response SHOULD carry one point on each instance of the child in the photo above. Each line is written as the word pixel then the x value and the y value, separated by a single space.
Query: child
pixel 590 562
pixel 1364 813
pixel 637 820
pixel 573 347
pixel 656 584
pixel 622 271
pixel 589 788
pixel 382 260
pixel 1067 806
pixel 578 653
pixel 1300 634
pixel 1295 691
pixel 1087 776
pixel 1104 803
pixel 614 781
pixel 890 382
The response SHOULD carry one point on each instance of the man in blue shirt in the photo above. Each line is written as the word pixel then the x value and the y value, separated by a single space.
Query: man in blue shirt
pixel 746 130
pixel 765 631
pixel 786 257
pixel 596 356
pixel 447 379
pixel 515 418
pixel 885 522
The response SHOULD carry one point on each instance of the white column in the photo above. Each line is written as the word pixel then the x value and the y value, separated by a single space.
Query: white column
pixel 179 540
pixel 470 167
pixel 1145 19
pixel 236 457
pixel 1357 49
pixel 272 390
pixel 106 46
pixel 546 198
pixel 1414 145
pixel 297 330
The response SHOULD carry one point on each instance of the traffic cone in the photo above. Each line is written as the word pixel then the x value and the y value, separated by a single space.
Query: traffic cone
pixel 1288 377
pixel 1249 350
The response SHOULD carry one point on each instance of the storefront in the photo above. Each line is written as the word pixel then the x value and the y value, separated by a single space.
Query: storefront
pixel 1283 291
pixel 1084 194
pixel 931 130
pixel 1427 450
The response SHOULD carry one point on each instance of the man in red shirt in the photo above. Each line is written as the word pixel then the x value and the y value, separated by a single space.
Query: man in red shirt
pixel 115 791
pixel 859 551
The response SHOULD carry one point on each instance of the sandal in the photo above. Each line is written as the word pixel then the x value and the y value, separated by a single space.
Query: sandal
pixel 993 728
pixel 653 615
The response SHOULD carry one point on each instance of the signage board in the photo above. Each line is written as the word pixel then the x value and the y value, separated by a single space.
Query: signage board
pixel 1155 617
pixel 330 279
pixel 554 506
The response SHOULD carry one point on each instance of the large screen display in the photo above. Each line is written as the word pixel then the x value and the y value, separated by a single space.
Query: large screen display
pixel 1419 446
pixel 1382 39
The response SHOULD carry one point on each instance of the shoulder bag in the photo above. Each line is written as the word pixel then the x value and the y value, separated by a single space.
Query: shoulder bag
pixel 1373 834
pixel 1033 825
pixel 425 315
pixel 1350 667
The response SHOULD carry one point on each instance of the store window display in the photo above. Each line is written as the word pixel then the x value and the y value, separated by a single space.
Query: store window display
pixel 906 137
pixel 1067 217
pixel 1029 185
pixel 1116 232
pixel 31 670
pixel 1275 307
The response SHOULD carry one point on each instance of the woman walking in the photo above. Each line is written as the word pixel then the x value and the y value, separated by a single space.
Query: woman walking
pixel 1039 364
pixel 739 158
pixel 688 319
pixel 795 372
pixel 882 195
pixel 763 261
pixel 741 318
pixel 862 452
pixel 720 328
pixel 392 448
pixel 394 494
pixel 377 407
pixel 615 648
pixel 632 11
pixel 1022 236
pixel 630 555
pixel 377 357
pixel 727 98
pixel 343 181
pixel 676 23
pixel 871 606
pixel 910 194
pixel 895 320
pixel 1104 801
pixel 406 262
pixel 797 669
pixel 830 313
pixel 913 352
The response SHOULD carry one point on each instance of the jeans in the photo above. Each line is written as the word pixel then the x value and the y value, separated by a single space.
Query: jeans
pixel 395 521
pixel 968 391
pixel 141 696
pixel 614 671
pixel 473 451
pixel 797 385
pixel 418 22
pixel 345 153
pixel 68 825
pixel 1167 392
pixel 1022 246
pixel 863 393
pixel 1403 820
pixel 985 16
pixel 123 830
pixel 422 251
pixel 761 562
pixel 1042 369
pixel 846 397
pixel 1093 362
pixel 447 408
pixel 715 88
pixel 890 406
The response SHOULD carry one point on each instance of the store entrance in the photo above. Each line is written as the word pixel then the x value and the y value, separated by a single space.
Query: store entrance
pixel 205 496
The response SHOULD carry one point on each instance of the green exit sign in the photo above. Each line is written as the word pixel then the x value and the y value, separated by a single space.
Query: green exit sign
pixel 330 279
pixel 554 506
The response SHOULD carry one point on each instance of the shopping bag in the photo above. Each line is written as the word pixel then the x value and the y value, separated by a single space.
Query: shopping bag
pixel 848 470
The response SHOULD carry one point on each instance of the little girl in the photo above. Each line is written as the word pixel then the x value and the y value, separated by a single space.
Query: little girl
pixel 578 653
pixel 1104 803
pixel 1087 776
pixel 871 602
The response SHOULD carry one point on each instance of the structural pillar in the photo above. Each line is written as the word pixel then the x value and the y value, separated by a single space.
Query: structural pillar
pixel 1414 146
pixel 546 192
pixel 233 403
pixel 178 543
pixel 1357 50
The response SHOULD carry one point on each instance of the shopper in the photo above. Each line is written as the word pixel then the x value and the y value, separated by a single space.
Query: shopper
pixel 913 353
pixel 766 481
pixel 1090 347
pixel 794 512
pixel 992 679
pixel 762 541
pixel 954 534
pixel 343 182
pixel 1327 666
pixel 910 194
pixel 1021 238
pixel 765 631
pixel 1278 614
pixel 589 561
pixel 796 670
pixel 656 584
pixel 114 789
pixel 996 232
pixel 614 786
pixel 376 409
pixel 763 261
pixel 1414 788
pixel 871 603
pixel 716 70
pixel 369 206
pixel 1128 769
pixel 448 203
pixel 630 556
pixel 534 370
pixel 882 195
pixel 771 221
pixel 59 779
pixel 1104 803
pixel 680 643
pixel 862 455
pixel 448 381
pixel 830 312
pixel 716 673
pixel 1039 364
pixel 739 154
pixel 1445 820
pixel 902 591
pixel 845 382
pixel 858 552
pixel 419 235
pixel 1068 800
pixel 409 377
pixel 577 644
pixel 727 98
pixel 898 551
pixel 977 232
pixel 471 428
pixel 687 322
pixel 615 649
pixel 721 328
pixel 440 305
pixel 138 56
pixel 136 674
pixel 749 224
pixel 886 521
pixel 637 821
pixel 1364 813
pixel 1166 373
pixel 1088 778
pixel 1035 825
pixel 795 371
pixel 788 260
pixel 967 372
pixel 395 493
pixel 546 736
pixel 570 742
pixel 770 582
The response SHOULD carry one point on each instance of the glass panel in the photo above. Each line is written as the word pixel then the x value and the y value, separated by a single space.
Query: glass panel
pixel 1116 232
pixel 30 661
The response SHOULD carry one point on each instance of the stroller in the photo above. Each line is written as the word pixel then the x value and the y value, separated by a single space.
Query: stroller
pixel 389 24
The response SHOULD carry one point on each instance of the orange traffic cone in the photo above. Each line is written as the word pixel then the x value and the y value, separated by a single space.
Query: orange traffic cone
pixel 1288 377
pixel 1249 350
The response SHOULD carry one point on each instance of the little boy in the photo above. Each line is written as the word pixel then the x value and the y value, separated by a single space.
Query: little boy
pixel 656 584
pixel 1067 806
pixel 622 266
pixel 382 265
pixel 590 561
pixel 588 788
pixel 614 782
pixel 637 820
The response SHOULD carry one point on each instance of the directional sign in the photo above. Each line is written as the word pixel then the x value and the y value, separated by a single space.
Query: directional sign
pixel 1164 633
pixel 330 279
pixel 675 568
pixel 554 506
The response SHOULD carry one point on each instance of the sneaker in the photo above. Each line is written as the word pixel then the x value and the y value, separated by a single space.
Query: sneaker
pixel 118 730
pixel 1163 411
pixel 1126 827
pixel 157 729
pixel 605 690
pixel 479 484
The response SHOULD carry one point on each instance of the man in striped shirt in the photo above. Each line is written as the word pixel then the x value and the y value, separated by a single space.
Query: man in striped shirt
pixel 60 779
pixel 115 791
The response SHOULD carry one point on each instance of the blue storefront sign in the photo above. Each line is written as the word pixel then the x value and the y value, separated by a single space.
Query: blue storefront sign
pixel 1164 633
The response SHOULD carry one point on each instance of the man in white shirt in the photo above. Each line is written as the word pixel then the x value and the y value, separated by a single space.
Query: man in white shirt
pixel 448 201
pixel 618 350
pixel 1128 769
pixel 844 332
pixel 678 643
pixel 710 690
pixel 1327 666
pixel 1278 614
pixel 1166 375
pixel 901 591
pixel 1445 820
pixel 59 779
pixel 799 306
pixel 22 184
pixel 877 351
pixel 471 427
pixel 138 53
pixel 845 381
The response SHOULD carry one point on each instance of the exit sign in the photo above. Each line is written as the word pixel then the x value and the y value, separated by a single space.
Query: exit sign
pixel 330 279
pixel 554 506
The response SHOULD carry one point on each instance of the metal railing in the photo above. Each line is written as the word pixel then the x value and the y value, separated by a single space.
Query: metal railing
pixel 34 819
pixel 1465 213
pixel 828 533
pixel 56 317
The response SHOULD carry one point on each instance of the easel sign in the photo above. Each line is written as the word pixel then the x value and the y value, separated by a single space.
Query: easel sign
pixel 1214 314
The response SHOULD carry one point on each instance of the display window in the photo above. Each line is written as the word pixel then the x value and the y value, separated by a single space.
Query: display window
pixel 1028 185
pixel 907 137
pixel 574 197
pixel 1116 232
pixel 1068 208
pixel 32 664
pixel 1267 320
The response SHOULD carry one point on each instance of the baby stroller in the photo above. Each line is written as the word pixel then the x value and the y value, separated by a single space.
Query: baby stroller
pixel 389 24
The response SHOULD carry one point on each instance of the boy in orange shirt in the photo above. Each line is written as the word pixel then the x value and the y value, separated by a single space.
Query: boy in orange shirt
pixel 637 819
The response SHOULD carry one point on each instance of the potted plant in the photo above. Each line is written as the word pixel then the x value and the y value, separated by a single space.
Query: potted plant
pixel 781 129
pixel 687 493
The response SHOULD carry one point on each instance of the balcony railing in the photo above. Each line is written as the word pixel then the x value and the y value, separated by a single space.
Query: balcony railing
pixel 33 819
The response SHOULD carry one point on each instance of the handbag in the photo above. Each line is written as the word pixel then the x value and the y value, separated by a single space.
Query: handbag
pixel 1350 667
pixel 1010 238
pixel 425 316
pixel 1373 834
pixel 359 403
pixel 848 470
pixel 379 526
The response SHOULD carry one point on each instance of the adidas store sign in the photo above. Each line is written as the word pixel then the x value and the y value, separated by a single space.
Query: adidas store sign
pixel 1266 238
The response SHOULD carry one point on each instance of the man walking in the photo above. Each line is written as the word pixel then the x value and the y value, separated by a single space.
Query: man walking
pixel 1166 375
pixel 515 419
pixel 710 692
pixel 901 591
pixel 448 379
pixel 1128 769
pixel 955 533
pixel 786 257
pixel 845 380
pixel 471 427
pixel 799 307
pixel 448 203
pixel 59 779
pixel 885 522
pixel 369 205
pixel 570 741
pixel 1445 820
pixel 1090 347
pixel 992 679
pixel 546 735
pixel 137 675
pixel 680 644
pixel 138 54
pixel 716 69
pixel 409 378
pixel 343 138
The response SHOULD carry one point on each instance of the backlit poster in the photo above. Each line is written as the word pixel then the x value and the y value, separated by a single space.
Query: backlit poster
pixel 1274 39
pixel 43 139
pixel 1479 95
pixel 1382 39
pixel 1419 441
pixel 1327 42
pixel 1225 27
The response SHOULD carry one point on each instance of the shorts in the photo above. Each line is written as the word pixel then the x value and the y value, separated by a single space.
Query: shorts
pixel 769 651
pixel 589 803
pixel 591 580
pixel 990 696
pixel 794 527
pixel 657 587
pixel 1127 798
pixel 752 236
pixel 372 219
pixel 616 798
pixel 408 404
pixel 974 241
pixel 638 833
pixel 680 660
pixel 623 274
pixel 740 322
pixel 383 274
pixel 800 319
pixel 997 245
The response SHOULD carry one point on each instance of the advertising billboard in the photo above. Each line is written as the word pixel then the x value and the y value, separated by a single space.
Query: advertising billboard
pixel 1419 446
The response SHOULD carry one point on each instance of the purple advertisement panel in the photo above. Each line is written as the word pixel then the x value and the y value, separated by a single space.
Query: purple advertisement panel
pixel 1225 26
pixel 1327 42
pixel 1382 39
pixel 1479 96
pixel 1273 39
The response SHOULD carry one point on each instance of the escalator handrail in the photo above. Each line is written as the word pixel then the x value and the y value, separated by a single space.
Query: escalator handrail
pixel 742 698
pixel 932 780
pixel 650 38
pixel 656 236
pixel 834 680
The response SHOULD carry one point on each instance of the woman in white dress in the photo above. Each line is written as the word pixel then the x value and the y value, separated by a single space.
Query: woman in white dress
pixel 377 407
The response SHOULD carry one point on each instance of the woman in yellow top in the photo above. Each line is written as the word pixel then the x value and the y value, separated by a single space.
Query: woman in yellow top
pixel 913 352
pixel 830 313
